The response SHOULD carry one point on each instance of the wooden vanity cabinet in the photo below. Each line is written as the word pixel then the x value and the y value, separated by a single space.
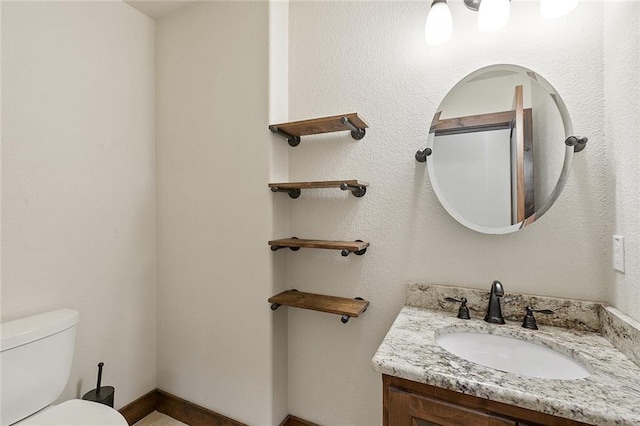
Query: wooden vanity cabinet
pixel 407 403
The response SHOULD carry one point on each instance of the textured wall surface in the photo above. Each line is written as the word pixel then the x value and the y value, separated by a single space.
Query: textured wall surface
pixel 622 126
pixel 78 190
pixel 78 204
pixel 370 57
pixel 219 344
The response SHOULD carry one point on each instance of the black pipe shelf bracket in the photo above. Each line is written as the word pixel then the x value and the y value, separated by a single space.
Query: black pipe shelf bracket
pixel 275 306
pixel 421 156
pixel 293 192
pixel 577 142
pixel 292 131
pixel 360 252
pixel 291 139
pixel 356 132
pixel 357 190
pixel 276 247
pixel 345 318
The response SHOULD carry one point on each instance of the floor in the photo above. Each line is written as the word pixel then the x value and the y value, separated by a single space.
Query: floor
pixel 159 419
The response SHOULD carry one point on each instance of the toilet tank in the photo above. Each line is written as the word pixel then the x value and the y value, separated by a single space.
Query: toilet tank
pixel 35 361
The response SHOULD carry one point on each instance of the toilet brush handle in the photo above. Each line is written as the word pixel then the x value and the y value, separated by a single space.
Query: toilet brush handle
pixel 100 365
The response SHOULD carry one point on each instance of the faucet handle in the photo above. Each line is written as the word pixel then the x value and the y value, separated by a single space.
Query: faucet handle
pixel 463 311
pixel 530 321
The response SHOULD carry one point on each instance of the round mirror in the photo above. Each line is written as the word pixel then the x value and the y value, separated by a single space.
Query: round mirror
pixel 498 154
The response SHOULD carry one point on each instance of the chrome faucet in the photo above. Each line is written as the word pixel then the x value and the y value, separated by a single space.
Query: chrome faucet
pixel 494 312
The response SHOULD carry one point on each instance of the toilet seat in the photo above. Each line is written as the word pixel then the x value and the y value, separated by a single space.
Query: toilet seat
pixel 76 412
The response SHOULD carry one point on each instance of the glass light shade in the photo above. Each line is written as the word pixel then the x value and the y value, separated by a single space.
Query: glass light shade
pixel 551 9
pixel 493 15
pixel 439 26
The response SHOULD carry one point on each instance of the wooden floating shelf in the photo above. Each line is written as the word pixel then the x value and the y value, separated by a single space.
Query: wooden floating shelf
pixel 317 302
pixel 293 130
pixel 358 247
pixel 357 188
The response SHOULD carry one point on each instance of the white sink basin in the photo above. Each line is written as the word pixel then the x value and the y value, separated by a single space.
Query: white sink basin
pixel 512 355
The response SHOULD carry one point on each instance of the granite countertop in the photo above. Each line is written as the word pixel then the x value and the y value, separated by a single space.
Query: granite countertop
pixel 610 395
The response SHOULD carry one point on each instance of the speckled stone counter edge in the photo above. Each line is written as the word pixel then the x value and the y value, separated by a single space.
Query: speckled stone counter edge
pixel 622 331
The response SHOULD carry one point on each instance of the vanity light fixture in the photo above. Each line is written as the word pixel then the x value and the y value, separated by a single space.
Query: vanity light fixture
pixel 493 15
pixel 439 25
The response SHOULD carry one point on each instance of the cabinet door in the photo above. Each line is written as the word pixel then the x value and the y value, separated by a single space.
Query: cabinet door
pixel 410 409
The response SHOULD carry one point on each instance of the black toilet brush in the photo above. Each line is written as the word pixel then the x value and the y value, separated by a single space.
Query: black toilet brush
pixel 102 394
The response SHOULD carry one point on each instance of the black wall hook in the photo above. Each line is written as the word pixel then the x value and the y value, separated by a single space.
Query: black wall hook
pixel 421 156
pixel 577 142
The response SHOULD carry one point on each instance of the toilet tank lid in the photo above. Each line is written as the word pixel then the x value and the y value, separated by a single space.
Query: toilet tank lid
pixel 25 330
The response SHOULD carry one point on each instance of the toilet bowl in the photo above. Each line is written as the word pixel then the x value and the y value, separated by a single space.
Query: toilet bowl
pixel 75 412
pixel 36 356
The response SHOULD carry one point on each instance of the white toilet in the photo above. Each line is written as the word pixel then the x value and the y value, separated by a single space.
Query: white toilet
pixel 36 362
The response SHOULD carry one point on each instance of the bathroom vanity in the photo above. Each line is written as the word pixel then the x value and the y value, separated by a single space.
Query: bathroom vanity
pixel 425 384
pixel 410 403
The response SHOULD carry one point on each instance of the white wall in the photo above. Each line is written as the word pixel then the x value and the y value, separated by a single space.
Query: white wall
pixel 370 57
pixel 219 344
pixel 78 215
pixel 622 125
pixel 279 172
pixel 78 204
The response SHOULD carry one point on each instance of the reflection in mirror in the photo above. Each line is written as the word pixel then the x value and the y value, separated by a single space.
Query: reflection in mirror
pixel 498 159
